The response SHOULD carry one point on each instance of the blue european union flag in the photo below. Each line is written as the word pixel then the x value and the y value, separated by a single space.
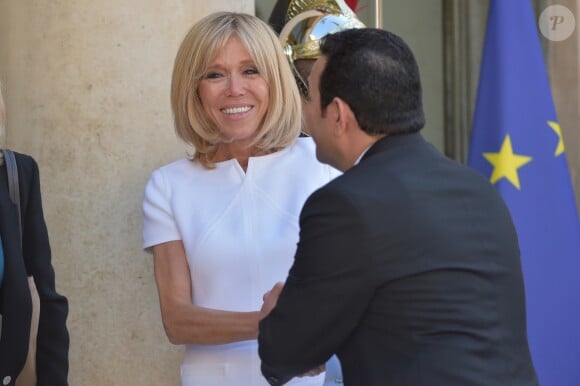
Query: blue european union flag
pixel 517 142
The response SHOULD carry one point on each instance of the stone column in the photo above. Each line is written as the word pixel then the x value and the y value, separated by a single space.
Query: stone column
pixel 87 91
pixel 564 72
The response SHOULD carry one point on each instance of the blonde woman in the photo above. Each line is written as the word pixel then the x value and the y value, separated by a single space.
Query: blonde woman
pixel 223 224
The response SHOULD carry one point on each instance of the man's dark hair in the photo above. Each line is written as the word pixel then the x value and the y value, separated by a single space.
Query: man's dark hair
pixel 375 73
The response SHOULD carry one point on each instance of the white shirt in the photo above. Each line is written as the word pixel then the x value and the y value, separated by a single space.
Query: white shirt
pixel 239 230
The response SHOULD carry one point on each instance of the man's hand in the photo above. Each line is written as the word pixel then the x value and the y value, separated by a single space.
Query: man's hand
pixel 270 299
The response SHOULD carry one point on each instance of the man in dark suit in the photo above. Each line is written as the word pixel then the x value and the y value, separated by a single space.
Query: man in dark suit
pixel 408 264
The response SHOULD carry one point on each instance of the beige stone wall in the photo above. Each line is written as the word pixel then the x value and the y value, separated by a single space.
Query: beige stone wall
pixel 87 91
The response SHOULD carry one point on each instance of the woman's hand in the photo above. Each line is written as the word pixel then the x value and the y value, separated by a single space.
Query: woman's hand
pixel 270 299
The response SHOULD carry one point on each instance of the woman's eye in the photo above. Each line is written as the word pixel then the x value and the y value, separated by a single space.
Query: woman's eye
pixel 251 71
pixel 213 75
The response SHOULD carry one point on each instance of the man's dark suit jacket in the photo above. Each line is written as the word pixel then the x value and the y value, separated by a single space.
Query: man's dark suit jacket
pixel 407 268
pixel 15 301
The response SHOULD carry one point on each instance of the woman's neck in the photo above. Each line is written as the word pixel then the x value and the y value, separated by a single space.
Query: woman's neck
pixel 228 151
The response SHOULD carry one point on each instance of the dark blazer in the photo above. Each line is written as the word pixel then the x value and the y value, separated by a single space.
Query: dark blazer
pixel 407 268
pixel 15 301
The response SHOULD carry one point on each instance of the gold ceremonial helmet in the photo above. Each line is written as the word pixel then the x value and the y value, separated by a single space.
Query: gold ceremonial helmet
pixel 308 21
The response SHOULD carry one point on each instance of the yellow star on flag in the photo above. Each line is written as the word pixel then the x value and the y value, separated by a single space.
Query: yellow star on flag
pixel 506 163
pixel 556 127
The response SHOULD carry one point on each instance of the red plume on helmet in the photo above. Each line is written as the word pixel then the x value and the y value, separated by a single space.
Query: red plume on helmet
pixel 352 4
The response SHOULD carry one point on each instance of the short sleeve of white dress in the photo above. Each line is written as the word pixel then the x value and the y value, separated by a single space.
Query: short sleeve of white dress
pixel 158 221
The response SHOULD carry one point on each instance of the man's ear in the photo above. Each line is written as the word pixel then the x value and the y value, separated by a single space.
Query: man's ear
pixel 344 115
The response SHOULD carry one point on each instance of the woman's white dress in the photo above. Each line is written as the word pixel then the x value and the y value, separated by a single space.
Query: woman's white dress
pixel 239 230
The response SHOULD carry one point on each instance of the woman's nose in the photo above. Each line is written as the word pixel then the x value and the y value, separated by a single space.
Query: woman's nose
pixel 236 85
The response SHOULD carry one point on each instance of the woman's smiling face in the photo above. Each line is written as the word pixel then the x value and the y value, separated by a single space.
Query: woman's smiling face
pixel 235 96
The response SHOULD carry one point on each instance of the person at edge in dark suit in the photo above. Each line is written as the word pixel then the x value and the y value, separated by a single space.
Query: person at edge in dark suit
pixel 50 364
pixel 408 264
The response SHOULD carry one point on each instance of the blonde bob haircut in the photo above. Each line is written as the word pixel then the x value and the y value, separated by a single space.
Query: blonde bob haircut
pixel 282 122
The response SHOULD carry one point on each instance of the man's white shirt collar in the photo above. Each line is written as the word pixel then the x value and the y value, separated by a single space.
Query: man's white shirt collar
pixel 362 155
